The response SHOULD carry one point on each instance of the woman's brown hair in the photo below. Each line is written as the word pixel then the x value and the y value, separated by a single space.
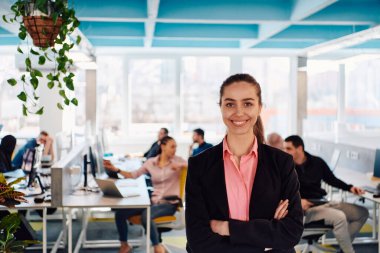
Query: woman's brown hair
pixel 258 128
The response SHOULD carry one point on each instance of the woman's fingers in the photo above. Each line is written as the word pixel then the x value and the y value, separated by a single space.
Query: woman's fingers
pixel 281 210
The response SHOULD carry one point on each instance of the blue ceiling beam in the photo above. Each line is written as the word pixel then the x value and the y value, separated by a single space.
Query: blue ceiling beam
pixel 349 11
pixel 4 32
pixel 373 44
pixel 205 31
pixel 133 29
pixel 98 42
pixel 9 40
pixel 196 43
pixel 225 9
pixel 303 9
pixel 325 32
pixel 110 8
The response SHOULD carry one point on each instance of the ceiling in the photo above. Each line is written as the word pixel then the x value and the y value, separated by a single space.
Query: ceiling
pixel 300 25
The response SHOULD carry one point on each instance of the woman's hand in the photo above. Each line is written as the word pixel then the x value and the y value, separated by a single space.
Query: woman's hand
pixel 109 166
pixel 220 227
pixel 306 204
pixel 281 210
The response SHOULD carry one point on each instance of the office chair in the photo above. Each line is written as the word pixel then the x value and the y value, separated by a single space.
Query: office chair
pixel 312 232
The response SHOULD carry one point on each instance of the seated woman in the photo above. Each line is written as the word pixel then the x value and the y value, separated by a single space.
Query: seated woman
pixel 7 146
pixel 165 170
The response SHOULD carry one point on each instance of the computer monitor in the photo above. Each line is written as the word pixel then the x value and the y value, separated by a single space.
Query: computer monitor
pixel 376 169
pixel 33 161
pixel 28 159
pixel 93 162
pixel 101 168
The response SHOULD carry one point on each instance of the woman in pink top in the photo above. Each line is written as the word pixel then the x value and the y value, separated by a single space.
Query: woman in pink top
pixel 165 170
pixel 242 196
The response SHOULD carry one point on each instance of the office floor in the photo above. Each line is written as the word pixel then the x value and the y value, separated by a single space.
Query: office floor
pixel 104 228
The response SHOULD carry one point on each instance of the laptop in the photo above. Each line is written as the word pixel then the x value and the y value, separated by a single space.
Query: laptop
pixel 109 188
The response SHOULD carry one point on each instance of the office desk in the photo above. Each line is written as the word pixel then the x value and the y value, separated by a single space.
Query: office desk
pixel 32 205
pixel 95 200
pixel 361 179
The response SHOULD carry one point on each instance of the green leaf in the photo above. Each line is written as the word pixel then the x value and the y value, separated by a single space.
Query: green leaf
pixel 55 17
pixel 79 39
pixel 37 73
pixel 40 111
pixel 34 52
pixel 50 76
pixel 66 46
pixel 59 106
pixel 12 81
pixel 47 57
pixel 50 84
pixel 35 96
pixel 34 82
pixel 22 96
pixel 28 63
pixel 24 110
pixel 66 101
pixel 23 78
pixel 74 101
pixel 62 93
pixel 41 60
pixel 19 50
pixel 5 19
pixel 22 35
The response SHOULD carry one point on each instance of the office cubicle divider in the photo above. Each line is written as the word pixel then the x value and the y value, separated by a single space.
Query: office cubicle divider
pixel 66 174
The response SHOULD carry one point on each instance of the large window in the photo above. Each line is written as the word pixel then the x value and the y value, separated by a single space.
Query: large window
pixel 273 77
pixel 322 96
pixel 11 107
pixel 363 94
pixel 152 95
pixel 201 80
pixel 110 81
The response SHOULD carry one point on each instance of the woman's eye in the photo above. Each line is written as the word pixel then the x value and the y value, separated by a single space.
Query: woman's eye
pixel 229 105
pixel 248 104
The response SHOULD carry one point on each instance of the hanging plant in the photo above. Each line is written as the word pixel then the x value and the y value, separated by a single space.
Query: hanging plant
pixel 49 23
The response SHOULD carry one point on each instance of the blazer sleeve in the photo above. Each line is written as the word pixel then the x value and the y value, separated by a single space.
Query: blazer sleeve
pixel 200 237
pixel 277 234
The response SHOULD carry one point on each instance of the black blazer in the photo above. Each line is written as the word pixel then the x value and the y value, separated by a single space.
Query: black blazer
pixel 206 199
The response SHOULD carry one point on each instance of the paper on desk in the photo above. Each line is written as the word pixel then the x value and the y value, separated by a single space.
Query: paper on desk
pixel 127 183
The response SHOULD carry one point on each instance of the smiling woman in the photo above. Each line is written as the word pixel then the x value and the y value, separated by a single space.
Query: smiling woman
pixel 242 195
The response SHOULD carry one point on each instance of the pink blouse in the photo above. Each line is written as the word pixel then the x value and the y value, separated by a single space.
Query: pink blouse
pixel 166 179
pixel 239 181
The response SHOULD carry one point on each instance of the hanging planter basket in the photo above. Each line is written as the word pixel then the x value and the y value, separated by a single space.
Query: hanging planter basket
pixel 42 29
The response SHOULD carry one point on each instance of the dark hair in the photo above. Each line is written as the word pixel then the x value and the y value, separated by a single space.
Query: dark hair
pixel 200 132
pixel 164 141
pixel 44 133
pixel 258 128
pixel 165 130
pixel 296 141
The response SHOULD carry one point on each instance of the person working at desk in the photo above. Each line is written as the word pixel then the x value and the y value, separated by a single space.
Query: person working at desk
pixel 153 151
pixel 165 171
pixel 7 146
pixel 347 219
pixel 198 138
pixel 43 138
pixel 242 195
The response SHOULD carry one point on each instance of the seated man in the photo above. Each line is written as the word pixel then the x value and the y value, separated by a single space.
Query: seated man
pixel 275 140
pixel 199 138
pixel 153 151
pixel 44 139
pixel 347 219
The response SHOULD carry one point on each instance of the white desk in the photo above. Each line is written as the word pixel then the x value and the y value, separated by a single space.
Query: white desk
pixel 94 200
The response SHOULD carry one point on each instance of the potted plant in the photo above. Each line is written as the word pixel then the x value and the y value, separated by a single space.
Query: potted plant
pixel 50 24
pixel 11 222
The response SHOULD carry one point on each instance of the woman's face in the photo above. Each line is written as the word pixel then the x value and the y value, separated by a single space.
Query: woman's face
pixel 240 107
pixel 169 148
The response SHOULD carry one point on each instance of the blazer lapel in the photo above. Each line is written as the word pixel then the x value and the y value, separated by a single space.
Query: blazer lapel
pixel 259 182
pixel 219 184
